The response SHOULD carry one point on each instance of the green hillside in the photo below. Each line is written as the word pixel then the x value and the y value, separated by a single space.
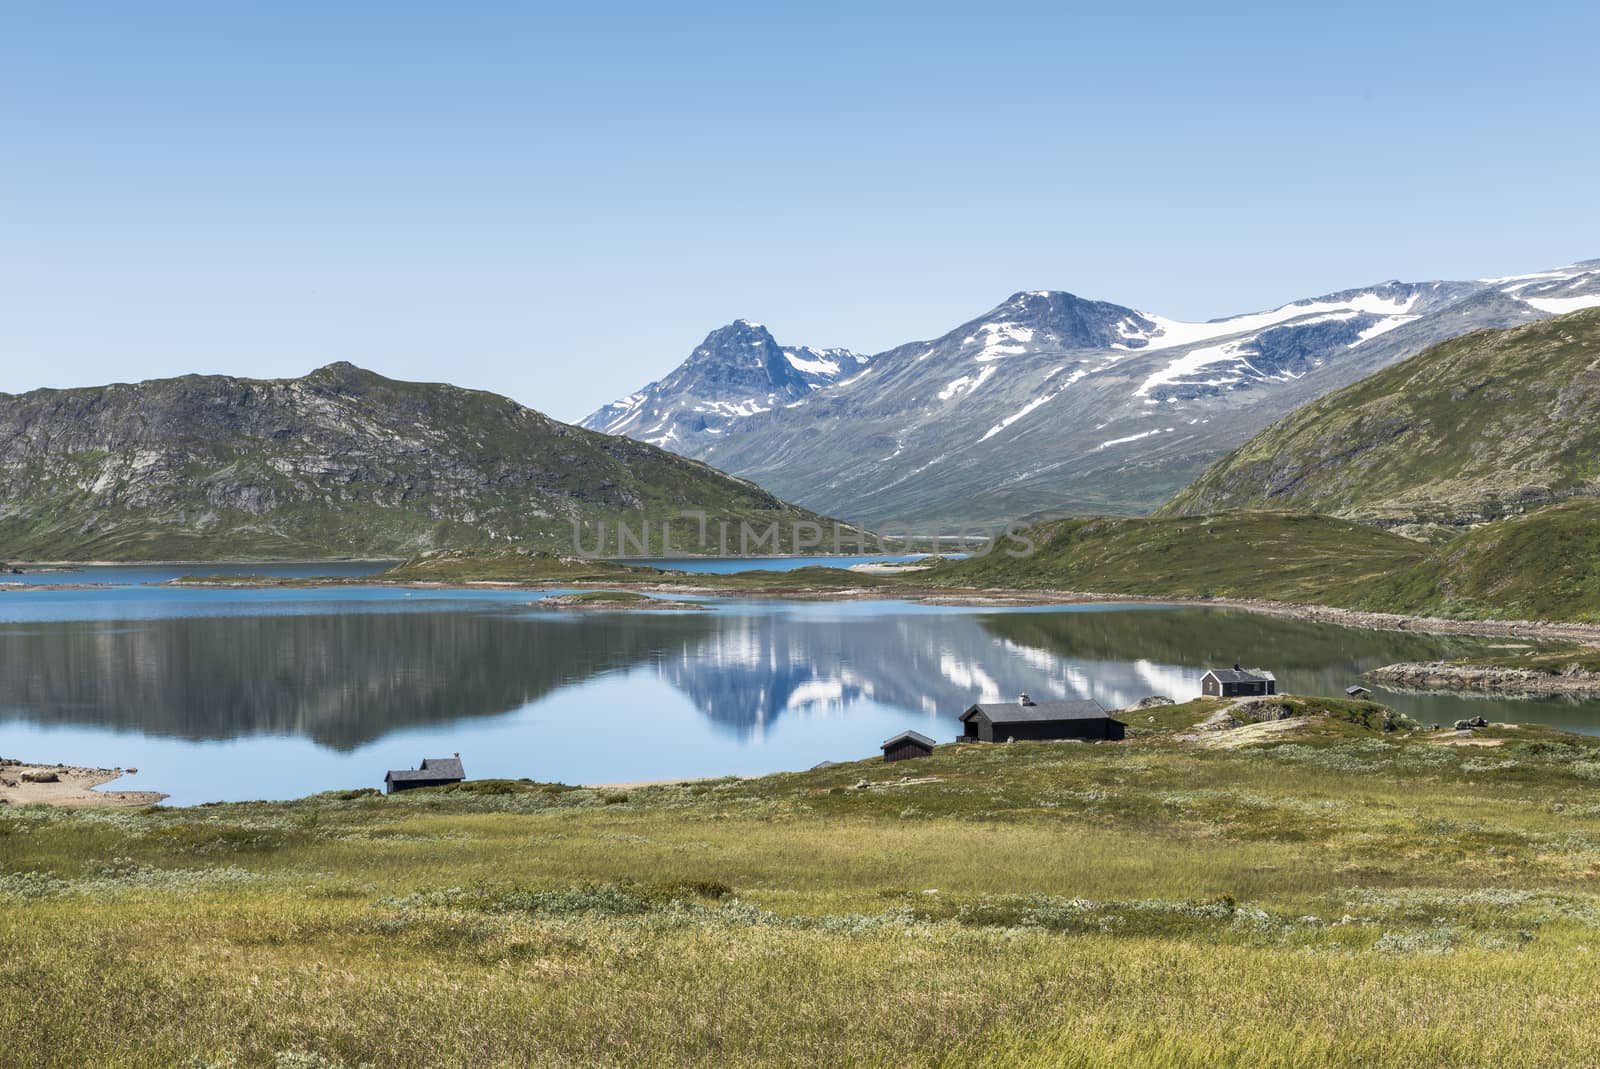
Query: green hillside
pixel 1246 555
pixel 1474 428
pixel 342 462
pixel 1542 566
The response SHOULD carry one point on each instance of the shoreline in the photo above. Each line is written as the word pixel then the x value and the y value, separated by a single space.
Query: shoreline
pixel 1489 680
pixel 995 597
pixel 276 562
pixel 70 786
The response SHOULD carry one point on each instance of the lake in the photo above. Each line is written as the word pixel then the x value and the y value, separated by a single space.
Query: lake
pixel 237 694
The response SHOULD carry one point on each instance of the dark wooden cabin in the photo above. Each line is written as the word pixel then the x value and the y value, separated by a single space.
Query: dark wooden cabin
pixel 1029 720
pixel 906 745
pixel 435 772
pixel 1357 692
pixel 1238 682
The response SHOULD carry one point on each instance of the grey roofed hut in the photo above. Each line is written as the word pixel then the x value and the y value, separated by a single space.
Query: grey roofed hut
pixel 1026 719
pixel 435 772
pixel 906 745
pixel 1237 682
pixel 1357 691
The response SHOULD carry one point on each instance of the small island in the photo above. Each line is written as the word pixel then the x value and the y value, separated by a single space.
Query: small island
pixel 616 601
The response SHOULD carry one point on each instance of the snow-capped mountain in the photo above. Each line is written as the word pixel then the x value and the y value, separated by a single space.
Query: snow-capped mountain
pixel 738 371
pixel 1048 403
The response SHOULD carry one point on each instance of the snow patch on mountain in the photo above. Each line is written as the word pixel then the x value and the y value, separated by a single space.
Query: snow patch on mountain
pixel 1175 333
pixel 1076 376
pixel 1563 305
pixel 1134 438
pixel 1000 340
pixel 1569 271
pixel 1187 365
pixel 1383 326
pixel 966 384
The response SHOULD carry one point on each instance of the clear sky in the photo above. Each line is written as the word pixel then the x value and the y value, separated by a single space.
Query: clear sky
pixel 558 202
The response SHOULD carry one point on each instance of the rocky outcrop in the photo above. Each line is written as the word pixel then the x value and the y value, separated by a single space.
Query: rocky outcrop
pixel 1442 675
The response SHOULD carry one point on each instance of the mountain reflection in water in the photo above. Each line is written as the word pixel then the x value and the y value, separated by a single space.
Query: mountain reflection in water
pixel 227 694
pixel 345 679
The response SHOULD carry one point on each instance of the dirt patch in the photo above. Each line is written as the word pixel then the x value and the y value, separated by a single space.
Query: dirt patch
pixel 1266 731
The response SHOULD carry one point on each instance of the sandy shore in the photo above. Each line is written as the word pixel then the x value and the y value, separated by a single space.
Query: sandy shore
pixel 27 784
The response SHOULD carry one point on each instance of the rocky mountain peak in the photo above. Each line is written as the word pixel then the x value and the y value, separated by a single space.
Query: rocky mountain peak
pixel 740 359
pixel 342 375
pixel 1067 320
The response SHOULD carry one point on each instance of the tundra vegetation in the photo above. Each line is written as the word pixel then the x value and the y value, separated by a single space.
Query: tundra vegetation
pixel 1351 890
pixel 1544 565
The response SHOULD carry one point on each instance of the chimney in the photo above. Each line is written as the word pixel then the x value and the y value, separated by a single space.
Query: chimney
pixel 1023 699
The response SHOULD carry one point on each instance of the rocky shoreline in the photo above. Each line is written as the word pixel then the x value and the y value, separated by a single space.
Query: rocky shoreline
pixel 22 783
pixel 1442 675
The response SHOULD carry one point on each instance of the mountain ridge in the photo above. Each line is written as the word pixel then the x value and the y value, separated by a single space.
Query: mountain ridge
pixel 339 462
pixel 1051 403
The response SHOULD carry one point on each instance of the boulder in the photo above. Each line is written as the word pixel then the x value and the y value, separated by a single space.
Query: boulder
pixel 41 775
pixel 1153 702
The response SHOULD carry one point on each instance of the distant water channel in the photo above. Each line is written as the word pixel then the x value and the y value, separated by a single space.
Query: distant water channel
pixel 236 694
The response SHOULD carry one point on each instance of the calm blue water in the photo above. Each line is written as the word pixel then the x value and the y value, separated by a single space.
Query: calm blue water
pixel 234 694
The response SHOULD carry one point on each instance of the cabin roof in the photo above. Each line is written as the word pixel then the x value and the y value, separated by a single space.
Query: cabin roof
pixel 444 766
pixel 1353 691
pixel 1017 713
pixel 1241 675
pixel 914 736
pixel 432 768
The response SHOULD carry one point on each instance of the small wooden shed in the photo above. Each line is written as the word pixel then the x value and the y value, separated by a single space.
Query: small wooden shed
pixel 1238 682
pixel 1357 691
pixel 435 772
pixel 906 745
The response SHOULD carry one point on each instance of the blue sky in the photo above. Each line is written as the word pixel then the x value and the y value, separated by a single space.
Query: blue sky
pixel 558 203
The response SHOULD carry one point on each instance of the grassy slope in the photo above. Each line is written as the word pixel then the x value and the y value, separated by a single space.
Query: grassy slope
pixel 1350 897
pixel 1542 566
pixel 1264 555
pixel 1470 428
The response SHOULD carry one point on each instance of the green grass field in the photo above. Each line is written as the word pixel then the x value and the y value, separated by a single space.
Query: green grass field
pixel 1346 896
